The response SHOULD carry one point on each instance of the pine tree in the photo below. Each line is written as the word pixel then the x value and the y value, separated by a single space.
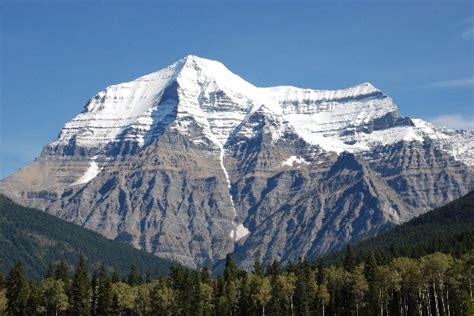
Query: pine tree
pixel 370 272
pixel 196 294
pixel 205 275
pixel 115 278
pixel 320 273
pixel 18 290
pixel 302 297
pixel 230 269
pixel 62 273
pixel 50 270
pixel 104 293
pixel 207 294
pixel 80 293
pixel 94 293
pixel 116 309
pixel 258 268
pixel 134 278
pixel 273 270
pixel 350 259
pixel 245 299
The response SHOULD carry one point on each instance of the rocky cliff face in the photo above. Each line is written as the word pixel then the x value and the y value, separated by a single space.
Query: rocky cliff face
pixel 192 163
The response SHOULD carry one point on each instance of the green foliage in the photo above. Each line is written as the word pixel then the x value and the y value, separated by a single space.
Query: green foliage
pixel 81 292
pixel 349 259
pixel 51 296
pixel 18 290
pixel 448 229
pixel 437 282
pixel 104 293
pixel 36 238
pixel 134 278
pixel 431 284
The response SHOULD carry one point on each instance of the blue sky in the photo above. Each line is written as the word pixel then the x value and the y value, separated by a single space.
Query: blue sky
pixel 55 55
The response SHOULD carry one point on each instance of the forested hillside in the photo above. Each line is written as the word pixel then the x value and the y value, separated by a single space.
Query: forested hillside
pixel 379 283
pixel 36 238
pixel 448 229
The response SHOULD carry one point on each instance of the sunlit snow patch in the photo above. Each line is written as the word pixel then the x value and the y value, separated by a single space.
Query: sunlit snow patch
pixel 90 174
pixel 290 161
pixel 239 232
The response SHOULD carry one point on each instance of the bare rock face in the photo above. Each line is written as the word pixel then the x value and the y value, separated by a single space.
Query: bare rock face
pixel 192 163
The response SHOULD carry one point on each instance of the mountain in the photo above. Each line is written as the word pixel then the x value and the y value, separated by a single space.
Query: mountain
pixel 447 229
pixel 192 163
pixel 37 238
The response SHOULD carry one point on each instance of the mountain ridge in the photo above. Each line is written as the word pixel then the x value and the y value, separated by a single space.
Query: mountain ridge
pixel 193 163
pixel 448 229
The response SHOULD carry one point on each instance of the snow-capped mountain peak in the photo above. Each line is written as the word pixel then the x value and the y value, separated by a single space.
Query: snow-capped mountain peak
pixel 192 162
pixel 205 92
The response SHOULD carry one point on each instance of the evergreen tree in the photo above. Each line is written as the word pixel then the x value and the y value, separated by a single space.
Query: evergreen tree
pixel 370 273
pixel 2 281
pixel 290 267
pixel 181 282
pixel 230 270
pixel 350 259
pixel 245 299
pixel 320 273
pixel 134 278
pixel 273 270
pixel 94 293
pixel 115 278
pixel 205 275
pixel 207 297
pixel 258 268
pixel 196 294
pixel 302 299
pixel 62 273
pixel 18 290
pixel 50 270
pixel 80 293
pixel 116 309
pixel 104 293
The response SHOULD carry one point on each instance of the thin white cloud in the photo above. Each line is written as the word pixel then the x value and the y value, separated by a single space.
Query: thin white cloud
pixel 468 33
pixel 455 83
pixel 454 121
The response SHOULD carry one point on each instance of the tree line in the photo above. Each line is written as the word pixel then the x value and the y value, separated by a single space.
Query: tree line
pixel 437 284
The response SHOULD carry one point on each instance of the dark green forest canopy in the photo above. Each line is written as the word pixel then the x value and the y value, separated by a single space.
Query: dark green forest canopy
pixel 448 229
pixel 426 284
pixel 36 238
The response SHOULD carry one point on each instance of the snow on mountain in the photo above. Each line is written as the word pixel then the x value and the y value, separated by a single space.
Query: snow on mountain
pixel 218 100
pixel 192 163
pixel 293 160
pixel 90 174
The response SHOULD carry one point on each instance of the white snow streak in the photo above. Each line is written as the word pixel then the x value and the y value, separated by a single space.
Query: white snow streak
pixel 239 231
pixel 90 174
pixel 290 161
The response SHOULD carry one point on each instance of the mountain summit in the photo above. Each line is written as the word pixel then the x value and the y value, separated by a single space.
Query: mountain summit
pixel 192 163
